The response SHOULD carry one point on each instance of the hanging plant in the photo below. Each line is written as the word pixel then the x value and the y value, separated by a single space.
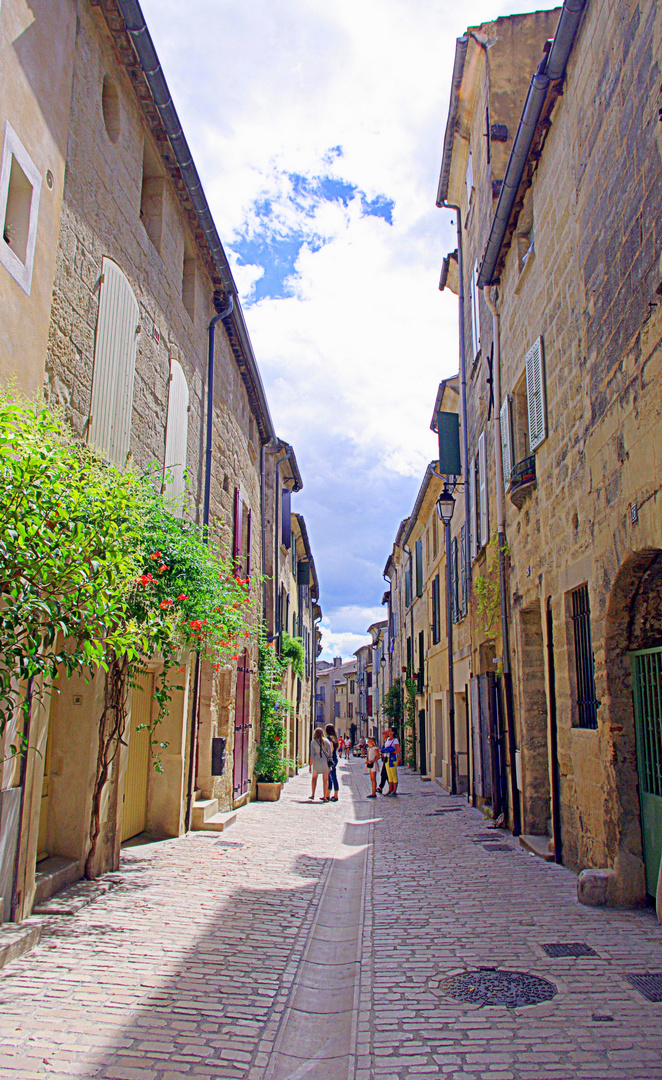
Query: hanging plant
pixel 294 654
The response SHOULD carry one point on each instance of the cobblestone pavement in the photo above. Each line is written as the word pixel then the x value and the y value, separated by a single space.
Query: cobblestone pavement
pixel 312 943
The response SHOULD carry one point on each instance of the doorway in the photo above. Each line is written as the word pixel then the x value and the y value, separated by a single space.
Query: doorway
pixel 242 727
pixel 647 693
pixel 134 813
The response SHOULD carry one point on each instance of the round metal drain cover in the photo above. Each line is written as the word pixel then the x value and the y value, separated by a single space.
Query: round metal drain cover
pixel 493 987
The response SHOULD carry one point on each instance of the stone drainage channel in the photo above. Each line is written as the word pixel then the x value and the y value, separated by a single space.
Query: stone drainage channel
pixel 319 1024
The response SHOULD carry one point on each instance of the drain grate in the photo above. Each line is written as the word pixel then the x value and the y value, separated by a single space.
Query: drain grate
pixel 567 948
pixel 497 847
pixel 229 844
pixel 648 983
pixel 514 989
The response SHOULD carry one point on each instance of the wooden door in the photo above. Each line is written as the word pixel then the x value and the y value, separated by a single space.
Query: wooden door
pixel 134 814
pixel 42 843
pixel 241 727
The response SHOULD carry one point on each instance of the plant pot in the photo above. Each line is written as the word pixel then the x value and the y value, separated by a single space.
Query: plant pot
pixel 268 792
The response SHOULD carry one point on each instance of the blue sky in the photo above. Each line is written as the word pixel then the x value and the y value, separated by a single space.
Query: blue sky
pixel 317 126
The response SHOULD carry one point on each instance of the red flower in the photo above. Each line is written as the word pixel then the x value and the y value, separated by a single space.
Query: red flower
pixel 181 670
pixel 155 555
pixel 234 657
pixel 145 579
pixel 166 604
pixel 217 667
pixel 196 624
pixel 162 568
pixel 182 596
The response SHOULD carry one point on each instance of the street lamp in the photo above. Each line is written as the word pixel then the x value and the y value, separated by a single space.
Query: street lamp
pixel 445 506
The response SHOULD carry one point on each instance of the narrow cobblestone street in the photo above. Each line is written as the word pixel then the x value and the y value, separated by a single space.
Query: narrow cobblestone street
pixel 313 942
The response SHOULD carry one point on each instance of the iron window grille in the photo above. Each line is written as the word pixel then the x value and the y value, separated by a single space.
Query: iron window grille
pixel 587 703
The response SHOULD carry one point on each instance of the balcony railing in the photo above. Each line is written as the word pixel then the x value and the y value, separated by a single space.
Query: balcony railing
pixel 522 480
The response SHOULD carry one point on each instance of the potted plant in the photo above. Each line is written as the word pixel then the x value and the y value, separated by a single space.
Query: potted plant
pixel 271 771
pixel 271 768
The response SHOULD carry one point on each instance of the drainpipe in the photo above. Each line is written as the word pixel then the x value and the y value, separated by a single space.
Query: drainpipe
pixel 209 444
pixel 263 531
pixel 276 587
pixel 413 646
pixel 227 310
pixel 501 545
pixel 451 673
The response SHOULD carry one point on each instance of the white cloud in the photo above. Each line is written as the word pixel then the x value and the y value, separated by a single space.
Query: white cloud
pixel 352 360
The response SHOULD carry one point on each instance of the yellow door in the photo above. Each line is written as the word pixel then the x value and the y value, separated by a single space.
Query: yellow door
pixel 134 815
pixel 42 845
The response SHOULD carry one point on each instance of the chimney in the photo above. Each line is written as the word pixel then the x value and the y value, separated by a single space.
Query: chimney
pixel 337 661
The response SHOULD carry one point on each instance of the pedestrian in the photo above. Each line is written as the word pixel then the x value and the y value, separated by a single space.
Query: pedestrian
pixel 348 747
pixel 321 754
pixel 383 779
pixel 341 745
pixel 372 764
pixel 333 779
pixel 392 750
pixel 352 733
pixel 362 746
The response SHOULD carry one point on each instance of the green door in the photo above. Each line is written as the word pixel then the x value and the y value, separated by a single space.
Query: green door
pixel 647 688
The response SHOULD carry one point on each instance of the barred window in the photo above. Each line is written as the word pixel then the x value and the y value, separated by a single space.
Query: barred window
pixel 587 703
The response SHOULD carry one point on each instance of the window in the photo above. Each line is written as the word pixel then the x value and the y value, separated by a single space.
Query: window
pixel 506 424
pixel 463 568
pixel 483 501
pixel 408 587
pixel 189 278
pixel 419 567
pixel 587 704
pixel 434 537
pixel 473 538
pixel 176 438
pixel 350 711
pixel 535 396
pixel 110 107
pixel 369 678
pixel 455 582
pixel 336 709
pixel 286 518
pixel 321 693
pixel 474 292
pixel 20 189
pixel 294 560
pixel 242 541
pixel 151 195
pixel 369 704
pixel 109 429
pixel 469 178
pixel 436 612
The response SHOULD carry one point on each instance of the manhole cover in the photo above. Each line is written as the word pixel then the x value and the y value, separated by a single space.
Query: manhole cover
pixel 513 989
pixel 497 847
pixel 229 844
pixel 648 983
pixel 568 948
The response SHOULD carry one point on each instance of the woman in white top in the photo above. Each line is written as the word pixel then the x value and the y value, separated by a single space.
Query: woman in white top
pixel 321 755
pixel 372 762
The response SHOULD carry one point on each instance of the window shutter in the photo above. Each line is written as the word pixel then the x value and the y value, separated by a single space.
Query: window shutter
pixel 463 564
pixel 535 396
pixel 176 437
pixel 484 521
pixel 435 610
pixel 114 366
pixel 455 597
pixel 473 540
pixel 286 518
pixel 419 567
pixel 506 418
pixel 475 311
pixel 249 544
pixel 469 178
pixel 236 540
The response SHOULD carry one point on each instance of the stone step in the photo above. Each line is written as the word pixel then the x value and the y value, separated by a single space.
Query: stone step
pixel 217 822
pixel 203 809
pixel 538 845
pixel 17 939
pixel 54 874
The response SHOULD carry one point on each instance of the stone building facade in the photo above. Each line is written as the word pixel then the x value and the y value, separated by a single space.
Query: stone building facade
pixel 560 258
pixel 131 295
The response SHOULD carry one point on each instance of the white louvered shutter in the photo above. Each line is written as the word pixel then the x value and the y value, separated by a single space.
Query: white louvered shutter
pixel 535 395
pixel 475 311
pixel 473 540
pixel 484 522
pixel 114 366
pixel 176 437
pixel 506 419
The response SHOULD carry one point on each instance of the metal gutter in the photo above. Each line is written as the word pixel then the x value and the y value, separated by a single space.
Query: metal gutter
pixel 143 45
pixel 422 491
pixel 551 69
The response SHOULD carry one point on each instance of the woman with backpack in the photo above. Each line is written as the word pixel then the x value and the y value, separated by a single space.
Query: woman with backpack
pixel 333 779
pixel 321 755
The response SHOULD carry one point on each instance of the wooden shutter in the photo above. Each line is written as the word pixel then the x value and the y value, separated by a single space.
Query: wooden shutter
pixel 463 565
pixel 419 567
pixel 484 521
pixel 286 518
pixel 475 311
pixel 176 437
pixel 114 366
pixel 455 597
pixel 249 544
pixel 237 530
pixel 435 611
pixel 535 395
pixel 473 540
pixel 506 418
